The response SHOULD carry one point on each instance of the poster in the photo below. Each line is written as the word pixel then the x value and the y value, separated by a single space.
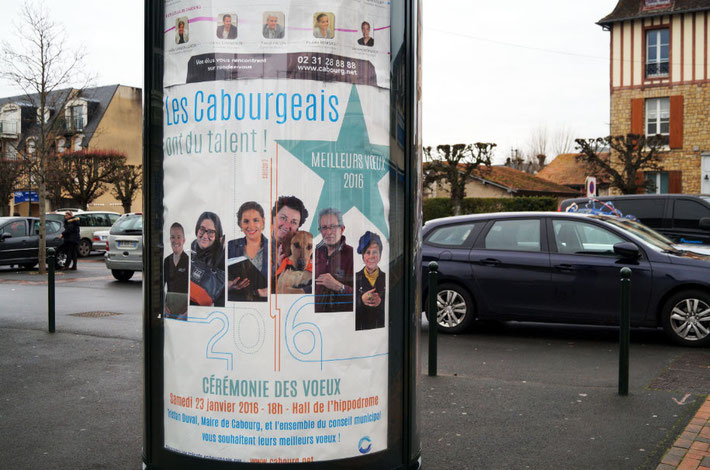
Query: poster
pixel 276 235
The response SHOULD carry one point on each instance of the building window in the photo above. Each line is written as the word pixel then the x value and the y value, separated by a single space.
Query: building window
pixel 656 3
pixel 61 144
pixel 657 41
pixel 658 118
pixel 656 182
pixel 76 142
pixel 77 117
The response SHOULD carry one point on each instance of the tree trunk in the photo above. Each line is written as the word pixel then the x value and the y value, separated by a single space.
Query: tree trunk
pixel 126 206
pixel 456 206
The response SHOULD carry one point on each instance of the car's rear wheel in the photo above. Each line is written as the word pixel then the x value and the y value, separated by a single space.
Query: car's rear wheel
pixel 84 247
pixel 122 275
pixel 454 309
pixel 686 318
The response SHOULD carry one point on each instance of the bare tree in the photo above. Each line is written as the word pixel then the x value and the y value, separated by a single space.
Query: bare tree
pixel 539 144
pixel 38 64
pixel 10 171
pixel 629 154
pixel 455 164
pixel 126 183
pixel 88 173
pixel 562 141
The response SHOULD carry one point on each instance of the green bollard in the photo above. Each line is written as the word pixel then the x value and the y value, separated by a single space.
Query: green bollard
pixel 50 288
pixel 432 316
pixel 624 331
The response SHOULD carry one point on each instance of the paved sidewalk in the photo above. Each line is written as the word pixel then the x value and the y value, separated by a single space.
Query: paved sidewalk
pixel 692 449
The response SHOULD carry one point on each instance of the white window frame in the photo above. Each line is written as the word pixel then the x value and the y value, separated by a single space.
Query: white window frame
pixel 657 61
pixel 656 3
pixel 658 112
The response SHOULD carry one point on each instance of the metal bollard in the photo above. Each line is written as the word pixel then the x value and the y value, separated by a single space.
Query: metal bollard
pixel 50 288
pixel 624 331
pixel 432 316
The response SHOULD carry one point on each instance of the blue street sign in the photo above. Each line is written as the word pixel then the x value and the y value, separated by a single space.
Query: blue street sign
pixel 26 196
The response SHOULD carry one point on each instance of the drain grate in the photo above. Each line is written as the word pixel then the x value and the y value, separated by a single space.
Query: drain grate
pixel 96 314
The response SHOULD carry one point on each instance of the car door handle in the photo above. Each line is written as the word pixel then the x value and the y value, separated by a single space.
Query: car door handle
pixel 490 262
pixel 568 268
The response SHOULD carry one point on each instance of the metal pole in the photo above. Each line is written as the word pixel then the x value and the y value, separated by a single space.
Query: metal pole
pixel 50 288
pixel 624 331
pixel 432 314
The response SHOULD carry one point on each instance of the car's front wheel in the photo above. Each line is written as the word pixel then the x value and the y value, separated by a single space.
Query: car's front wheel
pixel 454 309
pixel 122 275
pixel 686 318
pixel 84 247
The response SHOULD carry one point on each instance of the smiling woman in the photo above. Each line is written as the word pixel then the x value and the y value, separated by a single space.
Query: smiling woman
pixel 248 257
pixel 207 264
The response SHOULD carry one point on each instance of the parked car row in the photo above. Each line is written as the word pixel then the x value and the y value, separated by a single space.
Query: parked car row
pixel 564 268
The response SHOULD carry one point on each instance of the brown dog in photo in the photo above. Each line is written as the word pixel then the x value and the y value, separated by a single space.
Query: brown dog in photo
pixel 295 275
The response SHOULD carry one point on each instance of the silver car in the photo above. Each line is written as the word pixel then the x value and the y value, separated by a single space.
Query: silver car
pixel 124 254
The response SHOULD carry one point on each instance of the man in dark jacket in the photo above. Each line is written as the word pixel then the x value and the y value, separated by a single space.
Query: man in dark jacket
pixel 70 239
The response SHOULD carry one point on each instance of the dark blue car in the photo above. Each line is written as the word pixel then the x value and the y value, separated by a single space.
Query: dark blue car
pixel 564 268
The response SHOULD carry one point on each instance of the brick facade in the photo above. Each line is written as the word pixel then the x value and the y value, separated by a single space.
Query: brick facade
pixel 696 126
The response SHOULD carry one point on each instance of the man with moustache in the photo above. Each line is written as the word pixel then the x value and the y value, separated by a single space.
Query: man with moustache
pixel 334 265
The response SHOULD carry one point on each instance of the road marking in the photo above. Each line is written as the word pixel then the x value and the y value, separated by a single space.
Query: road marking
pixel 682 402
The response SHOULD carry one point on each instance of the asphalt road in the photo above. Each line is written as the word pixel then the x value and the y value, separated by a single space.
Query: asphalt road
pixel 511 397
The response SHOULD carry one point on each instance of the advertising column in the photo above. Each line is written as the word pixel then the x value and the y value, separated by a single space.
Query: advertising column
pixel 276 134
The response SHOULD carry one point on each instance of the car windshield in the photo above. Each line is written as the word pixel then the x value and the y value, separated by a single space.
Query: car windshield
pixel 128 224
pixel 643 232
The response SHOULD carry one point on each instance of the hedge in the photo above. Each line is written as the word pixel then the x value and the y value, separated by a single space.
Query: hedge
pixel 435 208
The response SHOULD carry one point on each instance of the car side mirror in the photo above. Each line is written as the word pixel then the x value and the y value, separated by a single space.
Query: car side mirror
pixel 5 236
pixel 704 223
pixel 627 250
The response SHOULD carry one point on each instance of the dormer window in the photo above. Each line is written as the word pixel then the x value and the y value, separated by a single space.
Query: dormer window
pixel 657 47
pixel 76 115
pixel 10 120
pixel 61 144
pixel 31 146
pixel 656 3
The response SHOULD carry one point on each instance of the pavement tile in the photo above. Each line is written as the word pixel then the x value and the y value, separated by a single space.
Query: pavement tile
pixel 689 464
pixel 705 462
pixel 684 443
pixel 670 459
pixel 705 432
pixel 694 428
pixel 679 451
pixel 663 466
pixel 699 446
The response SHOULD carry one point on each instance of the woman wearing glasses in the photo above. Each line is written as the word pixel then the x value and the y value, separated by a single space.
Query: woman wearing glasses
pixel 207 263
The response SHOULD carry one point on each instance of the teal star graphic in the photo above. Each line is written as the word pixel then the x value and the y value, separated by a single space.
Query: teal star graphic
pixel 350 167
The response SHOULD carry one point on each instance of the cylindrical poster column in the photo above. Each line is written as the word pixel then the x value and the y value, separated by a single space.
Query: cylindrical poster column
pixel 282 228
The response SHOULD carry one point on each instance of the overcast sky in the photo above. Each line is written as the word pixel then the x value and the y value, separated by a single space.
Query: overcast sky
pixel 493 71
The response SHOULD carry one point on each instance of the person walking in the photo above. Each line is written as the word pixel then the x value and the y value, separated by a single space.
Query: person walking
pixel 70 239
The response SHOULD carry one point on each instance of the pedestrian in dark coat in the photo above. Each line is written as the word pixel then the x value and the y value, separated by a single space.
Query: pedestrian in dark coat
pixel 70 239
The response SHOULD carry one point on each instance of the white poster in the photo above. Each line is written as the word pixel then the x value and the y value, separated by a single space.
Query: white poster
pixel 276 181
